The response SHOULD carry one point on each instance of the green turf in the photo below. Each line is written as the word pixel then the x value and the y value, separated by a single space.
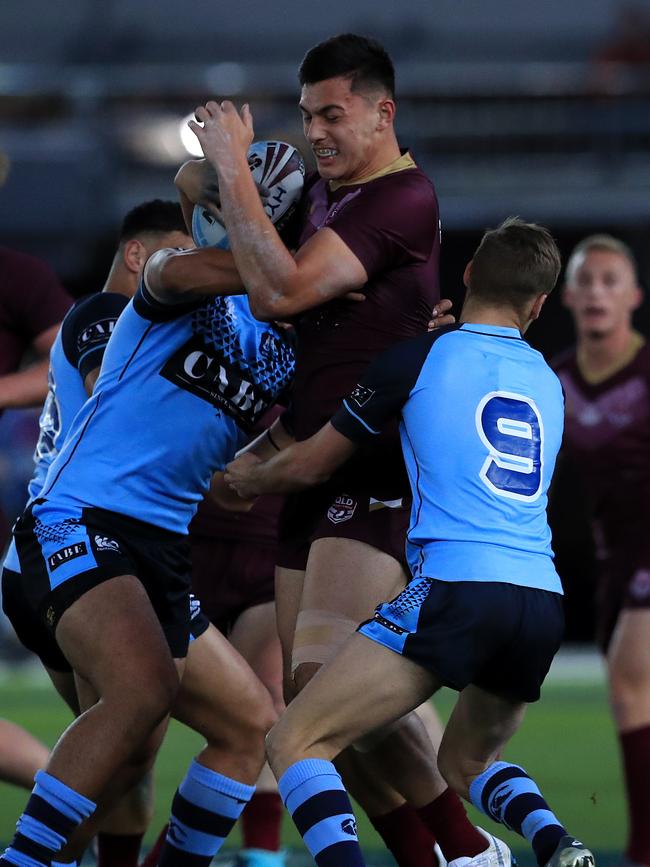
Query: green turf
pixel 567 743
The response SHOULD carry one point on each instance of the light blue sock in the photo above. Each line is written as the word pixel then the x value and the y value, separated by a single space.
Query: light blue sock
pixel 53 812
pixel 314 794
pixel 508 795
pixel 204 811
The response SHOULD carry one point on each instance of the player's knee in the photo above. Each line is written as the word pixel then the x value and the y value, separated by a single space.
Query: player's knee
pixel 303 673
pixel 246 737
pixel 281 745
pixel 152 692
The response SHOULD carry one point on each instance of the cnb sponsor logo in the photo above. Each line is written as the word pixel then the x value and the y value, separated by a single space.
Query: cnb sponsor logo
pixel 96 333
pixel 64 555
pixel 203 371
pixel 342 509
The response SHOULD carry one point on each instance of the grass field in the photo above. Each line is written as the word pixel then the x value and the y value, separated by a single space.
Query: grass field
pixel 567 743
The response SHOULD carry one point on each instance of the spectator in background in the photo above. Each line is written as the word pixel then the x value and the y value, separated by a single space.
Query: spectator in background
pixel 606 379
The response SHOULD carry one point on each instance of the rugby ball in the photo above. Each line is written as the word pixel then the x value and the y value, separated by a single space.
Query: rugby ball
pixel 279 173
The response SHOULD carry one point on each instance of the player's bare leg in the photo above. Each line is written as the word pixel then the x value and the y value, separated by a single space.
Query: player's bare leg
pixel 288 595
pixel 223 700
pixel 21 755
pixel 628 669
pixel 345 581
pixel 479 727
pixel 119 831
pixel 136 681
pixel 128 785
pixel 365 687
pixel 255 636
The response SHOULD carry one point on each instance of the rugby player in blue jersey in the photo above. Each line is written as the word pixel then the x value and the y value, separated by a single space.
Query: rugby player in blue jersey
pixel 74 366
pixel 101 560
pixel 481 424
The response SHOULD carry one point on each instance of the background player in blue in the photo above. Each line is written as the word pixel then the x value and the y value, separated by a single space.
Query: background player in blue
pixel 104 567
pixel 482 420
pixel 74 367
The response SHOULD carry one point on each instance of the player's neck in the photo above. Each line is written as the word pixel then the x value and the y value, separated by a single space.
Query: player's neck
pixel 601 357
pixel 485 314
pixel 121 281
pixel 381 163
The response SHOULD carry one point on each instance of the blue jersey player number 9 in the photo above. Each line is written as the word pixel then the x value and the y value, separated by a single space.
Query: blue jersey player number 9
pixel 510 427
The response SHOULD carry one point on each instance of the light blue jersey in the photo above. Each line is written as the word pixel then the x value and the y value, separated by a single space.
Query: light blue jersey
pixel 77 349
pixel 178 388
pixel 482 421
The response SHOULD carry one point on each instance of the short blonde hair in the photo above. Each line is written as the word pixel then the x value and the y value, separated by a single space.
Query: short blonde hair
pixel 609 244
pixel 514 263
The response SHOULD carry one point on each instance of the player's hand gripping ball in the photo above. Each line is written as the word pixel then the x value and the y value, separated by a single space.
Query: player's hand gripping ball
pixel 278 170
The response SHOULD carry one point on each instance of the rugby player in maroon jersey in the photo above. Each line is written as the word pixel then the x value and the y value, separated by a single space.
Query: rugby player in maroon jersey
pixel 371 224
pixel 606 379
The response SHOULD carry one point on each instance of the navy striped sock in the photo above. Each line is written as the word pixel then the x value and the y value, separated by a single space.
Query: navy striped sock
pixel 508 795
pixel 52 813
pixel 314 794
pixel 204 811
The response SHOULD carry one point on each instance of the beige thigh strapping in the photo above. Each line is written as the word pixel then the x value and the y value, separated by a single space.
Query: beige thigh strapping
pixel 319 636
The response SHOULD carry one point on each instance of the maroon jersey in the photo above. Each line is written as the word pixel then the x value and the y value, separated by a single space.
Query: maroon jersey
pixel 391 224
pixel 607 436
pixel 31 301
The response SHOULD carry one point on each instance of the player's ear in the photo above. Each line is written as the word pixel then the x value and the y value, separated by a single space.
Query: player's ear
pixel 386 109
pixel 536 309
pixel 638 298
pixel 467 273
pixel 134 255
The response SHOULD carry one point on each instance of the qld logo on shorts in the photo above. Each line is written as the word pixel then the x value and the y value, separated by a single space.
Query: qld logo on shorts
pixel 342 509
pixel 64 555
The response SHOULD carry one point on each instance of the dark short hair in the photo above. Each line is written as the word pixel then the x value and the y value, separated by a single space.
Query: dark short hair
pixel 157 216
pixel 514 263
pixel 361 59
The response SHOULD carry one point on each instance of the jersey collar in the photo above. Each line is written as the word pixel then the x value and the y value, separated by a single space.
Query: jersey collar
pixel 404 161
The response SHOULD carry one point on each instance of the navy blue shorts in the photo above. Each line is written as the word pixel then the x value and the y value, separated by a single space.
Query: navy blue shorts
pixel 54 562
pixel 497 636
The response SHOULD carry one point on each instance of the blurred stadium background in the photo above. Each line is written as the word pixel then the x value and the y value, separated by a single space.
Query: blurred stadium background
pixel 511 106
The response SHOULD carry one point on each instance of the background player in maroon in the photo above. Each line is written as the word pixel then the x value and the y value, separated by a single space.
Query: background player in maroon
pixel 371 224
pixel 32 304
pixel 606 380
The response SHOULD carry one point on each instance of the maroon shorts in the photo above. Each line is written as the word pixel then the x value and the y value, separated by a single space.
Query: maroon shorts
pixel 330 511
pixel 623 582
pixel 229 577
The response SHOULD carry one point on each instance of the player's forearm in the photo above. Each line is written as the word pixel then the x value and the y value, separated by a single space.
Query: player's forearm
pixel 204 271
pixel 268 270
pixel 25 388
pixel 292 469
pixel 273 440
